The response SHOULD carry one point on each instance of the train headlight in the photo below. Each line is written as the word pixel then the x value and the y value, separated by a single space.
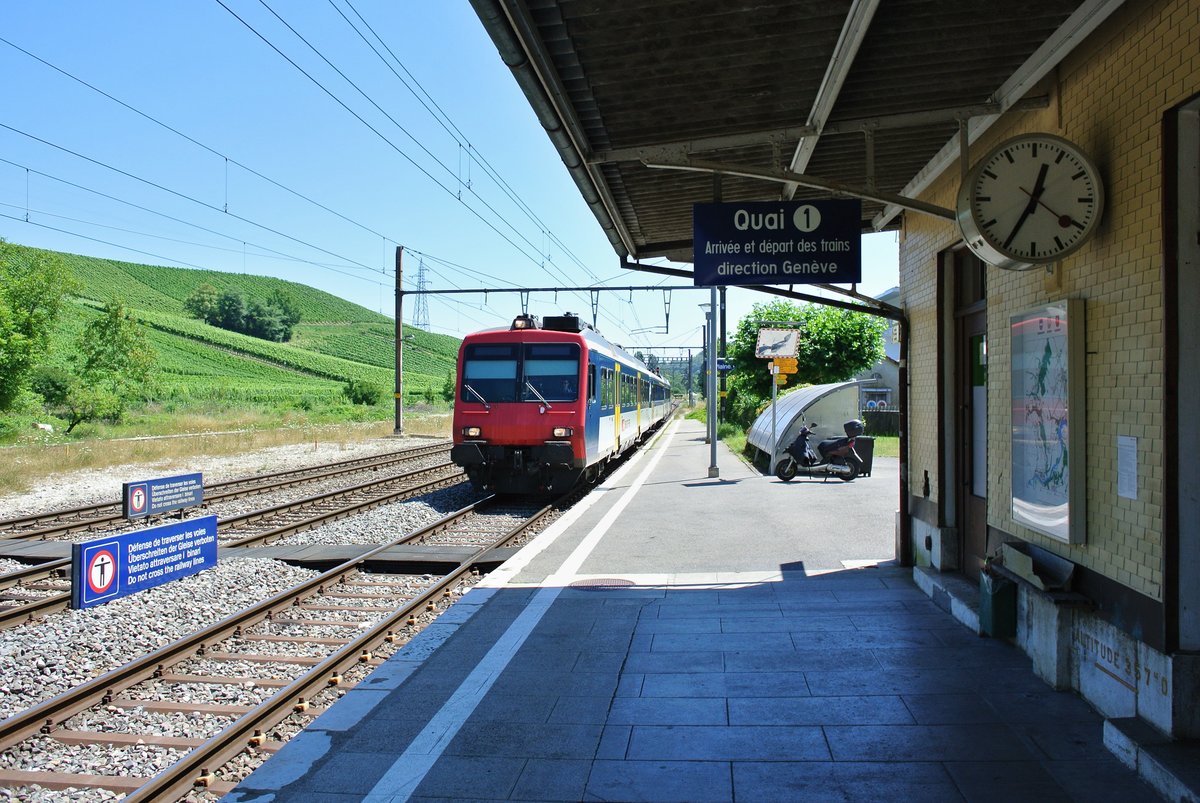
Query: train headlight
pixel 472 432
pixel 563 432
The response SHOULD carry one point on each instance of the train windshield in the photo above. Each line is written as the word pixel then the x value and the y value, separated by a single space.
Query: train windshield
pixel 490 373
pixel 552 369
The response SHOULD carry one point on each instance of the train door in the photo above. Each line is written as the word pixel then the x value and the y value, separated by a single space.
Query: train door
pixel 638 392
pixel 606 428
pixel 617 388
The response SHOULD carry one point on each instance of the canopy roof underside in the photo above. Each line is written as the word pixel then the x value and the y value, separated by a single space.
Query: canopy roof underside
pixel 862 92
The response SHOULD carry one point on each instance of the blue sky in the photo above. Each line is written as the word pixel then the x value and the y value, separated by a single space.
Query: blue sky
pixel 228 143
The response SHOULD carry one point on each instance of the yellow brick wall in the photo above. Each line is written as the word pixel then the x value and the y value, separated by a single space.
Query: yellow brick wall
pixel 1109 97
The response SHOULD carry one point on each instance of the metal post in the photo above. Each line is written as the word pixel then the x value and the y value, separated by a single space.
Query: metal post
pixel 722 406
pixel 774 434
pixel 399 430
pixel 691 395
pixel 704 366
pixel 713 470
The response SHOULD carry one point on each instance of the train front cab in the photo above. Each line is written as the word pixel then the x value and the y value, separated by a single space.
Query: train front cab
pixel 519 416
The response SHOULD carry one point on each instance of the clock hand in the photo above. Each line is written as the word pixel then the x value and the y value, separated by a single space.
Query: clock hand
pixel 1038 187
pixel 1063 220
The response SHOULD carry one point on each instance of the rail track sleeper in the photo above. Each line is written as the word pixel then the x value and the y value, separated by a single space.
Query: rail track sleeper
pixel 352 595
pixel 221 680
pixel 348 624
pixel 62 780
pixel 272 639
pixel 118 739
pixel 258 658
pixel 172 707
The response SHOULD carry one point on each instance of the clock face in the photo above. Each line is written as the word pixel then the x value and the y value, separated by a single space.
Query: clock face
pixel 1032 200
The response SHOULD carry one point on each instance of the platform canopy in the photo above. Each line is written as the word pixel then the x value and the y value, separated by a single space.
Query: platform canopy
pixel 861 98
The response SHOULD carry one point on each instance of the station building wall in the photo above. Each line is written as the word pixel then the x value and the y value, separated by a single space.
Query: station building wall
pixel 1110 97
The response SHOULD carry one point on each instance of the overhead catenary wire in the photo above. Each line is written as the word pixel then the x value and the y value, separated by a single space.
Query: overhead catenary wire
pixel 181 195
pixel 228 159
pixel 267 251
pixel 616 315
pixel 453 130
pixel 225 158
pixel 258 174
pixel 369 126
pixel 357 116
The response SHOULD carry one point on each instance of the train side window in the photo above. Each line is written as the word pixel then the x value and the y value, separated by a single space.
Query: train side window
pixel 591 384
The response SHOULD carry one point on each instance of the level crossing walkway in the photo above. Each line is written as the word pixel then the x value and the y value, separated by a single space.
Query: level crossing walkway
pixel 681 637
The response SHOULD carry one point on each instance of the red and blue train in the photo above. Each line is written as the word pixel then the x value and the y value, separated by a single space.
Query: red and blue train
pixel 543 405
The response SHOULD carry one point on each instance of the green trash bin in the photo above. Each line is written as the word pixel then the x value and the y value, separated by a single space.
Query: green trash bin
pixel 997 606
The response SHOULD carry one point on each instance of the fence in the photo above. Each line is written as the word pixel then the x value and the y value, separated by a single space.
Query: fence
pixel 882 422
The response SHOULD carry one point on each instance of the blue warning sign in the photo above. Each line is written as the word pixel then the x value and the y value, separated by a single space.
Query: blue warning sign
pixel 149 497
pixel 119 565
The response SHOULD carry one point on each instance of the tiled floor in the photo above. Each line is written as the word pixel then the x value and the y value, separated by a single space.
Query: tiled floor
pixel 844 686
pixel 735 676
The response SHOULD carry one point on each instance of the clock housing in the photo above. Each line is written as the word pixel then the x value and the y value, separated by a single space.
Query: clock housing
pixel 1031 200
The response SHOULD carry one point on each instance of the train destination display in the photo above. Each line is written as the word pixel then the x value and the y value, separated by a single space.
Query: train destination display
pixel 150 497
pixel 116 566
pixel 777 242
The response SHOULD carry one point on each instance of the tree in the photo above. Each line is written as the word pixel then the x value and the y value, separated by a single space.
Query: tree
pixel 265 321
pixel 115 364
pixel 359 391
pixel 231 311
pixel 202 303
pixel 834 345
pixel 272 319
pixel 448 387
pixel 33 287
pixel 289 310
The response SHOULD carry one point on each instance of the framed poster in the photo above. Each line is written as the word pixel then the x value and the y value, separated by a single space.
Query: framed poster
pixel 1048 477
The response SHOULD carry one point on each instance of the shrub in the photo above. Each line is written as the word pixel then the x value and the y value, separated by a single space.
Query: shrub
pixel 361 392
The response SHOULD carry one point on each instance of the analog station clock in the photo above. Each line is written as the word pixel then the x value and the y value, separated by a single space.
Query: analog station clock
pixel 1031 200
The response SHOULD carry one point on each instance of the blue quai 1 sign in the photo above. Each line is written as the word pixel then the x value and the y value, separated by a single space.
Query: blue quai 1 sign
pixel 777 242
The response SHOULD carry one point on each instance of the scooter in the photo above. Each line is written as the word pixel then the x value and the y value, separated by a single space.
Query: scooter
pixel 834 457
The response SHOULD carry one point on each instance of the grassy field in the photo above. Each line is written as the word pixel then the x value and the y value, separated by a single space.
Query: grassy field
pixel 206 374
pixel 25 466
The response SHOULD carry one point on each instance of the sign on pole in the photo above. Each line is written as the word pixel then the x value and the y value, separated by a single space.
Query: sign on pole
pixel 777 343
pixel 777 242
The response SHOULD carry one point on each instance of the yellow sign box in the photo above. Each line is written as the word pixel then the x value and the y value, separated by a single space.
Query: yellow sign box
pixel 785 362
pixel 788 369
pixel 780 379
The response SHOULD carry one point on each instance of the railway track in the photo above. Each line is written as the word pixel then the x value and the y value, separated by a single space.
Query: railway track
pixel 39 590
pixel 325 633
pixel 105 515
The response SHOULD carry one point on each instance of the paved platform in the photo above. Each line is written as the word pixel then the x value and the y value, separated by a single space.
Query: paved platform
pixel 678 637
